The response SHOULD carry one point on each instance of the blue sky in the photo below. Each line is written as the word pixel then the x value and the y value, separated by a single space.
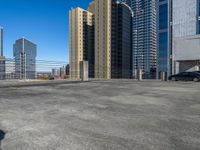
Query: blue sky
pixel 45 22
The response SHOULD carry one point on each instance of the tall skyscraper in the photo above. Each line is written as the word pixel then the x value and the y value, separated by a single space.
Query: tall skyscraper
pixel 121 53
pixel 128 2
pixel 25 53
pixel 81 41
pixel 2 58
pixel 1 41
pixel 186 38
pixel 145 37
pixel 164 53
pixel 103 39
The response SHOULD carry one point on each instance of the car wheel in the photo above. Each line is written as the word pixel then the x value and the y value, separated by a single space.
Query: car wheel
pixel 174 79
pixel 196 80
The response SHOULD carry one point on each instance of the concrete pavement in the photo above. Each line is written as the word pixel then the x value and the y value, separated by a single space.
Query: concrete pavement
pixel 101 115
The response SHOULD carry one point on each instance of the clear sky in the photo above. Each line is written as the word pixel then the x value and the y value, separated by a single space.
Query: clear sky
pixel 45 22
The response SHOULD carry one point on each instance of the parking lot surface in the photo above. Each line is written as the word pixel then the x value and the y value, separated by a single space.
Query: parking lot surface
pixel 101 115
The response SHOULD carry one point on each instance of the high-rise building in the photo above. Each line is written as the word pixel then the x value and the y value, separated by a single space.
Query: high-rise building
pixel 121 46
pixel 55 72
pixel 103 38
pixel 164 53
pixel 128 2
pixel 1 41
pixel 25 53
pixel 2 68
pixel 91 7
pixel 145 37
pixel 67 68
pixel 2 58
pixel 81 41
pixel 10 69
pixel 186 38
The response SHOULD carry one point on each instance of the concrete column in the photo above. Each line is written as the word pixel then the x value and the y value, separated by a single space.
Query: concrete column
pixel 135 74
pixel 139 74
pixel 84 69
pixel 163 76
pixel 177 67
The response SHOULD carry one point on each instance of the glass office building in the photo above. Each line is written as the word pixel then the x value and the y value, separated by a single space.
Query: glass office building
pixel 1 41
pixel 128 2
pixel 164 53
pixel 121 41
pixel 2 58
pixel 198 18
pixel 25 59
pixel 144 36
pixel 186 35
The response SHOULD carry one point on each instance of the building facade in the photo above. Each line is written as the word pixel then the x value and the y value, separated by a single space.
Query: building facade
pixel 10 69
pixel 1 41
pixel 81 41
pixel 67 70
pixel 103 38
pixel 2 58
pixel 55 72
pixel 128 2
pixel 121 45
pixel 2 68
pixel 145 37
pixel 164 24
pixel 186 38
pixel 25 53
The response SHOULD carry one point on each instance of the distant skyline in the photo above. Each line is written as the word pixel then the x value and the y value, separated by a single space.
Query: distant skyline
pixel 44 22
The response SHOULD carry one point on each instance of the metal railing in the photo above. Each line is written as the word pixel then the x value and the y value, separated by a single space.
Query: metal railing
pixel 14 69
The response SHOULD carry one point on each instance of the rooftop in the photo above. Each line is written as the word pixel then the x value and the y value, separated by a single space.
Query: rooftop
pixel 100 115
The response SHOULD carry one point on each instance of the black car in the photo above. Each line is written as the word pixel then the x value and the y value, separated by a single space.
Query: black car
pixel 197 71
pixel 186 76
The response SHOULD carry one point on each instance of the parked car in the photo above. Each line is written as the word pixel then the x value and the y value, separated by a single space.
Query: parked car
pixel 197 71
pixel 186 76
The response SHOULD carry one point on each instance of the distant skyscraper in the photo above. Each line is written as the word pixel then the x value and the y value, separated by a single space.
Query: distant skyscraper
pixel 81 41
pixel 67 69
pixel 103 39
pixel 25 53
pixel 2 58
pixel 55 72
pixel 1 41
pixel 145 37
pixel 164 54
pixel 10 69
pixel 121 53
pixel 2 68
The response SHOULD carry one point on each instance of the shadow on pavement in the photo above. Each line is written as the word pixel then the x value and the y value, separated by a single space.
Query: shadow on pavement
pixel 2 136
